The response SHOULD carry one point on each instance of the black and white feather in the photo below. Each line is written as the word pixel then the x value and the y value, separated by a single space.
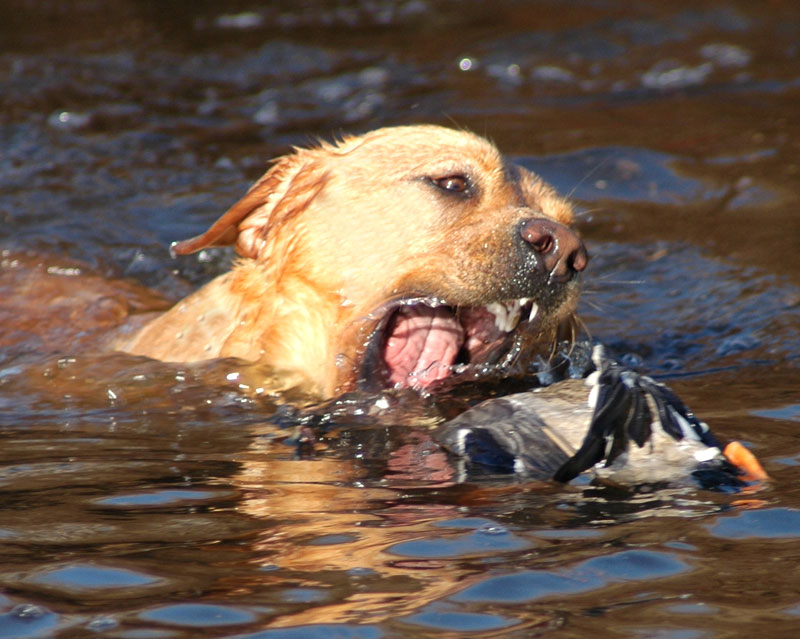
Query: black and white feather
pixel 616 422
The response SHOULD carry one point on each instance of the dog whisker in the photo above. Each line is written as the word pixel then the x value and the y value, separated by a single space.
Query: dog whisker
pixel 602 164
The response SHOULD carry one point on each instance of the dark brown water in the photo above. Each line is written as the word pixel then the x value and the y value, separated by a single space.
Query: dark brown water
pixel 141 500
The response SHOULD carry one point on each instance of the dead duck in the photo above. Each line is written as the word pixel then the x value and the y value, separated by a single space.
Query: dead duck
pixel 623 426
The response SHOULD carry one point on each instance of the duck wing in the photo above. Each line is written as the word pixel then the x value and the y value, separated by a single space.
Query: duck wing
pixel 615 419
pixel 624 405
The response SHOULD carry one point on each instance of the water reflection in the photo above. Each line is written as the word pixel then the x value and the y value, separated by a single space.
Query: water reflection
pixel 148 499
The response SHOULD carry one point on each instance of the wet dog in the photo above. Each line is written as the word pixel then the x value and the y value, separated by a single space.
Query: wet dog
pixel 397 258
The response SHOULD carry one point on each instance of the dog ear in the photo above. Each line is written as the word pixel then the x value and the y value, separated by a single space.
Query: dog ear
pixel 283 191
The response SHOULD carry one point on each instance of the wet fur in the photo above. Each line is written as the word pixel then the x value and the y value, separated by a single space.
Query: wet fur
pixel 330 234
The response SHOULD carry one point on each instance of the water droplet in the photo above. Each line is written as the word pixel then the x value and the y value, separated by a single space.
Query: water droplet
pixel 28 611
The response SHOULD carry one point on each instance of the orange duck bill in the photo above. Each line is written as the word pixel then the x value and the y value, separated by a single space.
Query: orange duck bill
pixel 745 461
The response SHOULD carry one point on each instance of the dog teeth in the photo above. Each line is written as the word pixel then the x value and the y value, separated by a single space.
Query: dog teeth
pixel 507 314
pixel 499 312
pixel 534 311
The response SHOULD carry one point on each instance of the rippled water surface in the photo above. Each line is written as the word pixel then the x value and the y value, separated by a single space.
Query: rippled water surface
pixel 145 500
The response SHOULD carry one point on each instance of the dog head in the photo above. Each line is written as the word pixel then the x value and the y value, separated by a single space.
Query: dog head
pixel 427 252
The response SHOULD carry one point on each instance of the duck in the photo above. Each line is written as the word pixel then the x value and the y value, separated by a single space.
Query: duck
pixel 615 424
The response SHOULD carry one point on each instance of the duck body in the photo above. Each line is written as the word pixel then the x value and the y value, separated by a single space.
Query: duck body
pixel 616 423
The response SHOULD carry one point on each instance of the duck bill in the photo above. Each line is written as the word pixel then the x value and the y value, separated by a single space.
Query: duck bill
pixel 745 461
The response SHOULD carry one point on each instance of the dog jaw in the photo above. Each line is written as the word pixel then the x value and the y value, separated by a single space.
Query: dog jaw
pixel 417 342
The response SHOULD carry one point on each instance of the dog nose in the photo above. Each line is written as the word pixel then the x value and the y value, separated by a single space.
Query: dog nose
pixel 561 252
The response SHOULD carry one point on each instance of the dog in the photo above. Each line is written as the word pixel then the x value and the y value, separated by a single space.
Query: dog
pixel 397 258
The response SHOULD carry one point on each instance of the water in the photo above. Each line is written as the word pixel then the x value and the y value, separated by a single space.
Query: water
pixel 149 500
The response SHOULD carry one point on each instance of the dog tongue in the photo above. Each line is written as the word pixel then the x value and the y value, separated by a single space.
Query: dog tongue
pixel 423 343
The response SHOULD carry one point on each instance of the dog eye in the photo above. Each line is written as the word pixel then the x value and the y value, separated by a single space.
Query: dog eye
pixel 452 183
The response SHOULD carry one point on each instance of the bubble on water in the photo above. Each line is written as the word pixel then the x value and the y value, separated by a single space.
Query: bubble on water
pixel 69 120
pixel 28 611
pixel 467 64
pixel 493 529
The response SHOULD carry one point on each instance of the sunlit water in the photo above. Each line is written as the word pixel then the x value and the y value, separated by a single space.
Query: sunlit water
pixel 146 500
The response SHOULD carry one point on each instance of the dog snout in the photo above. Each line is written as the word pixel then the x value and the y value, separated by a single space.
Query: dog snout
pixel 559 251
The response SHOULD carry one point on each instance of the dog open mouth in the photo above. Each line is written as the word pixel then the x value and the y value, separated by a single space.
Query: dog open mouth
pixel 421 341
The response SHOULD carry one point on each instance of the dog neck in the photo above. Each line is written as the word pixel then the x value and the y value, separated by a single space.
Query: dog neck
pixel 285 322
